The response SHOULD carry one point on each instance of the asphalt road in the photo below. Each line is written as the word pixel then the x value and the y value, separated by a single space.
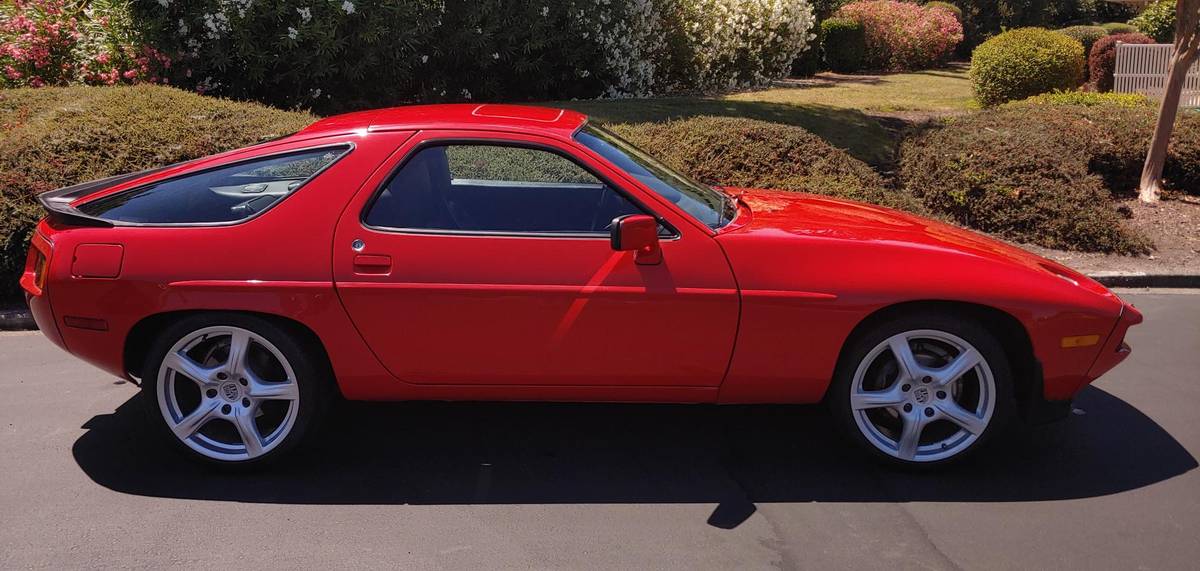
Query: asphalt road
pixel 497 486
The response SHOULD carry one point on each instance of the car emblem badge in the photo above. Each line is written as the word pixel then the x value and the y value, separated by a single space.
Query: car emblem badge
pixel 921 394
pixel 229 391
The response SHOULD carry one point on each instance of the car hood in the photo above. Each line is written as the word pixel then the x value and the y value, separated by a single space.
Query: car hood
pixel 780 213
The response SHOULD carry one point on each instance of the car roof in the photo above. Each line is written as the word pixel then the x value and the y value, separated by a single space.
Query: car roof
pixel 550 121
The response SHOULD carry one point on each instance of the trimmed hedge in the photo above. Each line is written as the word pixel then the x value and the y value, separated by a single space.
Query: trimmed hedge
pixel 1046 173
pixel 1102 61
pixel 1114 28
pixel 1024 62
pixel 751 153
pixel 1086 35
pixel 56 137
pixel 1086 99
pixel 1157 21
pixel 844 43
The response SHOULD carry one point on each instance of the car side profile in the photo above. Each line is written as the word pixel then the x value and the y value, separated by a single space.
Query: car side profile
pixel 500 252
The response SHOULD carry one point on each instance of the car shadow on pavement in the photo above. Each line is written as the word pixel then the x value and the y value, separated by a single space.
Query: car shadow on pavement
pixel 733 456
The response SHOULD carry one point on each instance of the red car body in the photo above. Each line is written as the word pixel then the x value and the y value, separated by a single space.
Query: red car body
pixel 755 312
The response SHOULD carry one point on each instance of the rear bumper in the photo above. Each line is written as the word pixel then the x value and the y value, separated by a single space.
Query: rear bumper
pixel 37 297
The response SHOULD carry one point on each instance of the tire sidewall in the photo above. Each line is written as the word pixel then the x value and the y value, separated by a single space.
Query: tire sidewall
pixel 971 332
pixel 311 381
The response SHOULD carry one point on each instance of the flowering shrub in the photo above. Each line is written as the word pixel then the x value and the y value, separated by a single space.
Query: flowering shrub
pixel 903 35
pixel 57 42
pixel 337 55
pixel 1024 62
pixel 1157 21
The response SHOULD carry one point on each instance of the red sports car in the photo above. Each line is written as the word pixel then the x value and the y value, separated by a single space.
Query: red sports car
pixel 496 252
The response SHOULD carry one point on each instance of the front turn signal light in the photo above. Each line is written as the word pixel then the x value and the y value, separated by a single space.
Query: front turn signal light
pixel 1080 341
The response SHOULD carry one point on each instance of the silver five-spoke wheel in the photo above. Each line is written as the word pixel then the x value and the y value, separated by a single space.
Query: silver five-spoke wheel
pixel 923 395
pixel 227 393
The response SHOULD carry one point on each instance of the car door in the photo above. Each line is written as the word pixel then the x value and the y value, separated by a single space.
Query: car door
pixel 475 258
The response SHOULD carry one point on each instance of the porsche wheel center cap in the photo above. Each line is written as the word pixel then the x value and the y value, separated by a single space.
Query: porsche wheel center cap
pixel 231 391
pixel 921 395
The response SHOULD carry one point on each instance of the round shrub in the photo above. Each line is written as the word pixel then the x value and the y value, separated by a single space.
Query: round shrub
pixel 1157 21
pixel 1102 60
pixel 1114 28
pixel 958 13
pixel 844 44
pixel 1046 173
pixel 758 154
pixel 1086 35
pixel 55 137
pixel 1024 62
pixel 903 35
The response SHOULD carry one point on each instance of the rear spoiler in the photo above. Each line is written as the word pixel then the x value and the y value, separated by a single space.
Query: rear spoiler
pixel 58 202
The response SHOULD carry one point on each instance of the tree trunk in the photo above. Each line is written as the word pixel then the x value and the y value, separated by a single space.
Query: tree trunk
pixel 1187 46
pixel 1156 157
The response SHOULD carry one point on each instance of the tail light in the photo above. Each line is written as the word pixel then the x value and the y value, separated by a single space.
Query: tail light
pixel 39 269
pixel 33 280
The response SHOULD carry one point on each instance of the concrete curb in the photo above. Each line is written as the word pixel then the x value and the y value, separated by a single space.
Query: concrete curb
pixel 19 319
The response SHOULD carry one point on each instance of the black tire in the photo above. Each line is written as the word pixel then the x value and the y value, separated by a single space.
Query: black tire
pixel 860 346
pixel 313 378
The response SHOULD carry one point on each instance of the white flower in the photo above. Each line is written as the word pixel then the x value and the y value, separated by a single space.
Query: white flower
pixel 466 94
pixel 545 10
pixel 293 32
pixel 305 14
pixel 164 3
pixel 315 93
pixel 348 7
pixel 496 55
pixel 424 59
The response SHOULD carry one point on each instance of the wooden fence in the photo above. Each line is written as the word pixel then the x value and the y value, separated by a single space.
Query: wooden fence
pixel 1142 68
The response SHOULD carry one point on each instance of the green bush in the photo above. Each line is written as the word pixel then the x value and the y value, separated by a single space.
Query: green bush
pixel 958 13
pixel 1024 62
pixel 1087 35
pixel 1086 99
pixel 1046 173
pixel 1114 28
pixel 1157 21
pixel 56 137
pixel 750 153
pixel 844 44
pixel 333 56
pixel 1102 61
pixel 812 60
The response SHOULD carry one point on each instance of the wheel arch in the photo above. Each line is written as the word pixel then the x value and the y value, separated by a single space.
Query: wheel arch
pixel 137 341
pixel 1010 332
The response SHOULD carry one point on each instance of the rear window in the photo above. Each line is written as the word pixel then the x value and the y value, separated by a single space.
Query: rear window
pixel 223 194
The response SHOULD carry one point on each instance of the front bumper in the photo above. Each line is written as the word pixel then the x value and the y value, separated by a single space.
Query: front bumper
pixel 1115 349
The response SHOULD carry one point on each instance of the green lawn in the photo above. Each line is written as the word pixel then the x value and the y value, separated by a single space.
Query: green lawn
pixel 836 108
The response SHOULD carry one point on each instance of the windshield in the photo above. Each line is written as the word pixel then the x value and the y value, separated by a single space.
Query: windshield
pixel 706 204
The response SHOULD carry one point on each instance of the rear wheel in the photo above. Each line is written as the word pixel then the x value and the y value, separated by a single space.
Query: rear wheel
pixel 923 390
pixel 233 389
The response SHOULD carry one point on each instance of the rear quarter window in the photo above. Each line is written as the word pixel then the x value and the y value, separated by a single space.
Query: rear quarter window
pixel 225 194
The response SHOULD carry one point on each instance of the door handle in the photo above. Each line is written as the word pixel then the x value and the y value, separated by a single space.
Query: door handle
pixel 372 263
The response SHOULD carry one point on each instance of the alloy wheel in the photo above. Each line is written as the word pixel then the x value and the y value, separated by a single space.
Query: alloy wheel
pixel 228 393
pixel 923 395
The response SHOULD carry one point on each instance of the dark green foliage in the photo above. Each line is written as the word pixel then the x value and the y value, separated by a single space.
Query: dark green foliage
pixel 844 44
pixel 757 154
pixel 1046 173
pixel 1114 28
pixel 812 60
pixel 1102 60
pixel 1024 62
pixel 55 137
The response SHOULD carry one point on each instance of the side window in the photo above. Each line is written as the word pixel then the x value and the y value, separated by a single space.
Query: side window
pixel 222 194
pixel 496 188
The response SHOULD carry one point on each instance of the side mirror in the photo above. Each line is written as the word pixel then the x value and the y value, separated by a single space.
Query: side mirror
pixel 637 233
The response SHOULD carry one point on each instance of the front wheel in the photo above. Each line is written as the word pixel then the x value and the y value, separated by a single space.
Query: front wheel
pixel 923 390
pixel 231 389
